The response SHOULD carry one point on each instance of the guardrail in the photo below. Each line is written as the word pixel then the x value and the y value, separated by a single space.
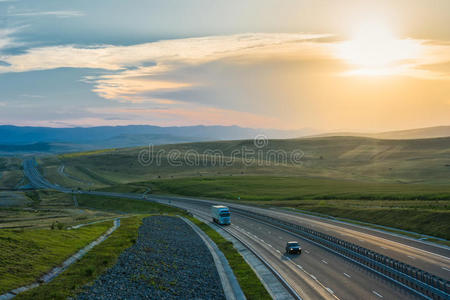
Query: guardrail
pixel 421 282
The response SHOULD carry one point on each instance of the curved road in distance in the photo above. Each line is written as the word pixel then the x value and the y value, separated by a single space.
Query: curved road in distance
pixel 316 270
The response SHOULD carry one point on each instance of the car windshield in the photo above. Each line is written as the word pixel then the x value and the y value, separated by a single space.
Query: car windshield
pixel 225 214
pixel 293 244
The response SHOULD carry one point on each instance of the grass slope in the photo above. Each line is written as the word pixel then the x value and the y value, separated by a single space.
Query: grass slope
pixel 94 263
pixel 408 161
pixel 292 188
pixel 125 205
pixel 10 172
pixel 28 254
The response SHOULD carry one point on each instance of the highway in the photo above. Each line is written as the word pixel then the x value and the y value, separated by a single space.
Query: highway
pixel 318 273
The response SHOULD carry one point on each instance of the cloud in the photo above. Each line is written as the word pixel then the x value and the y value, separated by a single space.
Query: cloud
pixel 32 96
pixel 136 65
pixel 7 41
pixel 189 50
pixel 137 72
pixel 55 13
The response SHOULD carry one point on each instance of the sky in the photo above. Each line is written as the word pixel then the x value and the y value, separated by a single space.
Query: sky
pixel 328 65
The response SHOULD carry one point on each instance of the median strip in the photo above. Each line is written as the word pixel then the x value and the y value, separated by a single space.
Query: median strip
pixel 246 276
pixel 230 284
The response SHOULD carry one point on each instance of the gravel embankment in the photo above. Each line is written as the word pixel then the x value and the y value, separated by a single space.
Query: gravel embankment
pixel 168 261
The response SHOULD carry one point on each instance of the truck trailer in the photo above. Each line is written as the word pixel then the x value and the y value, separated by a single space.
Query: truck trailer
pixel 221 214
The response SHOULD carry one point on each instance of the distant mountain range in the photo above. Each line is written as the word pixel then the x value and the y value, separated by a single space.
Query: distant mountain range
pixel 14 139
pixel 23 140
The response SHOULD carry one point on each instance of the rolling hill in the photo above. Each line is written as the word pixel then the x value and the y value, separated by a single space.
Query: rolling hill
pixel 417 133
pixel 348 158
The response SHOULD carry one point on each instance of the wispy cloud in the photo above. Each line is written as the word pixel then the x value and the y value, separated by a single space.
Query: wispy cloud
pixel 32 96
pixel 7 40
pixel 55 13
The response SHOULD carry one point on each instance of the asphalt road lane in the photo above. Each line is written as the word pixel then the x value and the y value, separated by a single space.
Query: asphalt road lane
pixel 405 251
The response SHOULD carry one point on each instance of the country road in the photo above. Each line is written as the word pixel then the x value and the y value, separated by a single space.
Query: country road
pixel 317 273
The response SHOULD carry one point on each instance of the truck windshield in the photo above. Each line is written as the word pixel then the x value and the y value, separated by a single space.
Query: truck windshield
pixel 225 214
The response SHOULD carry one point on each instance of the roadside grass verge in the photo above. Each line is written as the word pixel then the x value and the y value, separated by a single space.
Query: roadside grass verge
pixel 136 188
pixel 94 263
pixel 429 222
pixel 124 205
pixel 27 254
pixel 398 231
pixel 249 282
pixel 422 217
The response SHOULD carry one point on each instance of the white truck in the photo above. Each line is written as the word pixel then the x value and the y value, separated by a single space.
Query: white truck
pixel 221 214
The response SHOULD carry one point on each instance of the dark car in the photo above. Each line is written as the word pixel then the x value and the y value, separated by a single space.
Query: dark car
pixel 293 248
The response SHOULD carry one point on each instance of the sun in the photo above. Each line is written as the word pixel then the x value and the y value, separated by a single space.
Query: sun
pixel 374 50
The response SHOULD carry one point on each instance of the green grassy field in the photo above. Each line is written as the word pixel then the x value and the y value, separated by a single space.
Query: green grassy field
pixel 94 263
pixel 355 158
pixel 122 205
pixel 10 172
pixel 41 209
pixel 28 254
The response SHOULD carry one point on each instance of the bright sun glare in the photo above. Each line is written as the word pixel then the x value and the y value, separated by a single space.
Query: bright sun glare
pixel 374 50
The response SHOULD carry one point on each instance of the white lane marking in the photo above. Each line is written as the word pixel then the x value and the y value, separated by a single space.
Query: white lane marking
pixel 324 261
pixel 306 251
pixel 288 258
pixel 278 251
pixel 313 277
pixel 270 245
pixel 330 290
pixel 347 275
pixel 383 248
pixel 379 295
pixel 280 237
pixel 446 269
pixel 412 257
pixel 300 267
